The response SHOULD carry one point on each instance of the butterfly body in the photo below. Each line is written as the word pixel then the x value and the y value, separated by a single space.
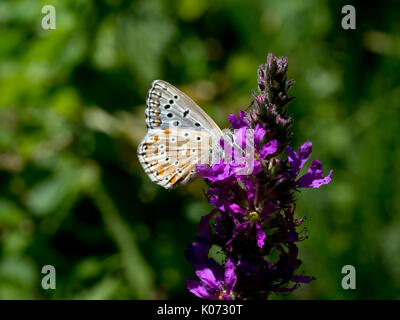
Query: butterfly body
pixel 180 135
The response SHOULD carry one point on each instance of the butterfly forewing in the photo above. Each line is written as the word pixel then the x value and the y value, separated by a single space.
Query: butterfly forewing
pixel 169 107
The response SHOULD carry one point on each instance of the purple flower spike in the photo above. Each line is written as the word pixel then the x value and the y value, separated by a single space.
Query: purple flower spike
pixel 252 190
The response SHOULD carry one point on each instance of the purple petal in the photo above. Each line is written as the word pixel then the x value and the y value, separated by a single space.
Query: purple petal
pixel 269 148
pixel 260 235
pixel 251 191
pixel 304 152
pixel 198 289
pixel 314 178
pixel 297 160
pixel 240 121
pixel 216 269
pixel 259 133
pixel 211 275
pixel 302 279
pixel 256 167
pixel 217 172
pixel 238 229
pixel 230 275
pixel 218 203
pixel 236 208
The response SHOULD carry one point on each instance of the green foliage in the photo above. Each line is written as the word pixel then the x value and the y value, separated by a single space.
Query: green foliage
pixel 73 194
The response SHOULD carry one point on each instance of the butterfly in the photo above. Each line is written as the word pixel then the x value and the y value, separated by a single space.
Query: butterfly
pixel 180 135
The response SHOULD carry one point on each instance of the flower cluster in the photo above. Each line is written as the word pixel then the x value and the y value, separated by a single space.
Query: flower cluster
pixel 253 223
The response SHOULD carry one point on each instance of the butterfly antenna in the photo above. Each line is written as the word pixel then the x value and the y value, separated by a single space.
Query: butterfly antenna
pixel 250 105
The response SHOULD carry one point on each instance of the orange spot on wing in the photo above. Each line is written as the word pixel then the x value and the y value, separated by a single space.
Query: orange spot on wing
pixel 173 180
pixel 155 138
pixel 166 131
pixel 160 171
pixel 158 122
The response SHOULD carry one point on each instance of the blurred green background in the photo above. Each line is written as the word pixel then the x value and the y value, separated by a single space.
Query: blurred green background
pixel 73 194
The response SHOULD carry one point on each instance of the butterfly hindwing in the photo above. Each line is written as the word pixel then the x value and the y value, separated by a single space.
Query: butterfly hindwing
pixel 169 157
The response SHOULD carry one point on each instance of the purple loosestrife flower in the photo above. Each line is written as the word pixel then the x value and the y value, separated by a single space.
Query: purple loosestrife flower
pixel 253 192
pixel 246 160
pixel 252 217
pixel 314 178
pixel 215 283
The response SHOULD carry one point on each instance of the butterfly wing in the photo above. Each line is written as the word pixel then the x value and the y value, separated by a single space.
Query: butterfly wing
pixel 169 157
pixel 180 135
pixel 168 107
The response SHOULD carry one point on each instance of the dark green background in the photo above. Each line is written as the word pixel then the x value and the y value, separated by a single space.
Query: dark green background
pixel 73 195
